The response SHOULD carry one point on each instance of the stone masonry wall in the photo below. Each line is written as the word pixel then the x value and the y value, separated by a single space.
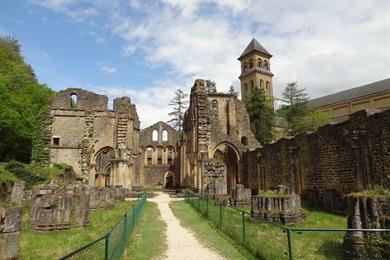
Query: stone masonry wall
pixel 324 166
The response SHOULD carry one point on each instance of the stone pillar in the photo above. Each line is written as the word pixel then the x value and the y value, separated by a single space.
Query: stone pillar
pixel 10 222
pixel 368 212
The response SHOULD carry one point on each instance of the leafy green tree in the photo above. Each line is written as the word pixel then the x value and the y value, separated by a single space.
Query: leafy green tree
pixel 179 104
pixel 312 120
pixel 211 86
pixel 261 115
pixel 21 99
pixel 294 106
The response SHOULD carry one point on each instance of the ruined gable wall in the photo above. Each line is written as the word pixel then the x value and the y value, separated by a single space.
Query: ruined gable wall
pixel 153 175
pixel 326 165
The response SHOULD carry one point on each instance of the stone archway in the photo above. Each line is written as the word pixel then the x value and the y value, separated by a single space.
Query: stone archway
pixel 169 180
pixel 228 154
pixel 102 166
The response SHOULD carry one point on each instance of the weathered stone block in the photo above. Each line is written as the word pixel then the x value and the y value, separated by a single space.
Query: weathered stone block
pixel 278 207
pixel 241 195
pixel 9 245
pixel 55 207
pixel 102 197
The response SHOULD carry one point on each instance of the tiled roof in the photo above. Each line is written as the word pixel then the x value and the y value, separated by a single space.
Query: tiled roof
pixel 349 94
pixel 254 45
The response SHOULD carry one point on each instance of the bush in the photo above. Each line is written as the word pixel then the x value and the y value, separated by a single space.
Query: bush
pixel 20 171
pixel 6 176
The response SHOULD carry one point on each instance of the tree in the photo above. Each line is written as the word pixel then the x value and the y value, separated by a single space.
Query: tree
pixel 294 106
pixel 179 104
pixel 211 87
pixel 232 91
pixel 312 120
pixel 21 100
pixel 261 115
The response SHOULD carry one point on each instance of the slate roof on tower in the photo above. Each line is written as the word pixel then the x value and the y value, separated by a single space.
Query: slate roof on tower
pixel 254 45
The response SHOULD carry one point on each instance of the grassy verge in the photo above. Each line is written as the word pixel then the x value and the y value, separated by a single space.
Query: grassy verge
pixel 269 242
pixel 207 234
pixel 148 239
pixel 58 243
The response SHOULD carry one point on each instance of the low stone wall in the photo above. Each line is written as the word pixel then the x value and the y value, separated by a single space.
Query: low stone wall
pixel 368 212
pixel 102 197
pixel 11 210
pixel 284 207
pixel 55 207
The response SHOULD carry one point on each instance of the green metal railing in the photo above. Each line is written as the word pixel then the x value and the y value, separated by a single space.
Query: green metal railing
pixel 269 240
pixel 111 245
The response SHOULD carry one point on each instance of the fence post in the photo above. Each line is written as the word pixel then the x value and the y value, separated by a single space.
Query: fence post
pixel 207 206
pixel 243 226
pixel 125 226
pixel 220 214
pixel 289 243
pixel 106 247
pixel 133 218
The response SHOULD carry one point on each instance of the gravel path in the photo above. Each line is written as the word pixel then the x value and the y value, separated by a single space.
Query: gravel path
pixel 182 243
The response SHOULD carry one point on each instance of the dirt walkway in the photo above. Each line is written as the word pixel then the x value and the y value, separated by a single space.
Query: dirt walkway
pixel 182 244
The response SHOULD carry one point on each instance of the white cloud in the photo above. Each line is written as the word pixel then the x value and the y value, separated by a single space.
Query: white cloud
pixel 108 70
pixel 325 45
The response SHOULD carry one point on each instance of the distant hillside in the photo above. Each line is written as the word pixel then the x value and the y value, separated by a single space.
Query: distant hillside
pixel 21 100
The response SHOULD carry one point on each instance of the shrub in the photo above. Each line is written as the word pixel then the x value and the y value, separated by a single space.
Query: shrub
pixel 20 171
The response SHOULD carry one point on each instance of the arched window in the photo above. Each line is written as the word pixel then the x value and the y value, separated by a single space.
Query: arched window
pixel 268 88
pixel 261 83
pixel 149 155
pixel 170 155
pixel 250 63
pixel 245 66
pixel 259 64
pixel 73 100
pixel 246 86
pixel 155 136
pixel 159 155
pixel 252 84
pixel 214 107
pixel 265 64
pixel 165 135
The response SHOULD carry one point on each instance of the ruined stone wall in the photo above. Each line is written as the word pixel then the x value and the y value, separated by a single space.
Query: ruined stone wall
pixel 326 165
pixel 213 121
pixel 82 130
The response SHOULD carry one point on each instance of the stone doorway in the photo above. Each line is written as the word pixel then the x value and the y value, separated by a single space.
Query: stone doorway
pixel 168 180
pixel 103 166
pixel 227 154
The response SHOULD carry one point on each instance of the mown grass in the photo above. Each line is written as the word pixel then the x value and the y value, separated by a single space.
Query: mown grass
pixel 148 238
pixel 59 243
pixel 267 241
pixel 207 234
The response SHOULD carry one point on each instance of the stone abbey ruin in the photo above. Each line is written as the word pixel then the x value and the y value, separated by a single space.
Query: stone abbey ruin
pixel 216 154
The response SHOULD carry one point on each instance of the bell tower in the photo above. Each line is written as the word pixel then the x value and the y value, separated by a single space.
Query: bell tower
pixel 255 70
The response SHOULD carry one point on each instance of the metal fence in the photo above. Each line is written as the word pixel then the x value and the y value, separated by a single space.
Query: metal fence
pixel 112 244
pixel 269 240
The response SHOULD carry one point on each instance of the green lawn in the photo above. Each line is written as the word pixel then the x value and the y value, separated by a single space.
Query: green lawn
pixel 148 239
pixel 269 242
pixel 207 234
pixel 58 243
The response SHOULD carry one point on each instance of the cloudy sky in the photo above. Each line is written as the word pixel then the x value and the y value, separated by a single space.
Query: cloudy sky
pixel 148 49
